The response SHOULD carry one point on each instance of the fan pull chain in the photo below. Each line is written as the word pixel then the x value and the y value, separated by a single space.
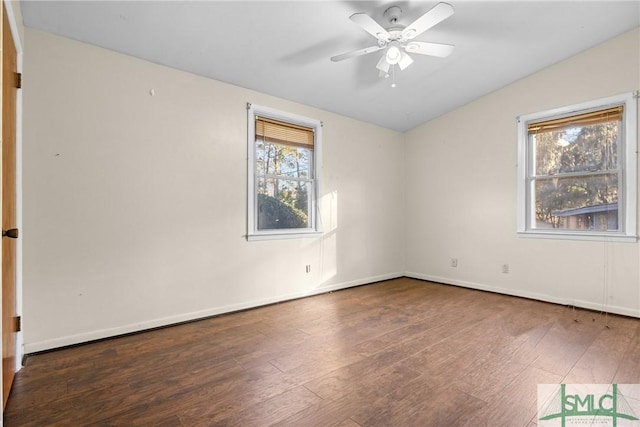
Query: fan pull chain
pixel 393 75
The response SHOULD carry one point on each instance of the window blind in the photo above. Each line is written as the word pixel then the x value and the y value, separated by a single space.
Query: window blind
pixel 585 119
pixel 284 133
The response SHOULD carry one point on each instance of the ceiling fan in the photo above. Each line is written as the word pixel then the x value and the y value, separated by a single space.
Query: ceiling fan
pixel 398 40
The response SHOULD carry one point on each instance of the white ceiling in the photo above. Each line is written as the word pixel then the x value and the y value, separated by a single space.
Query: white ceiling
pixel 283 48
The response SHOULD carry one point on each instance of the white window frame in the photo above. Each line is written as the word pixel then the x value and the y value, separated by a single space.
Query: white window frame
pixel 627 195
pixel 252 205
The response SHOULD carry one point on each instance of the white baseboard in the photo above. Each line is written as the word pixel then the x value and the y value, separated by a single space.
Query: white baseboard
pixel 84 337
pixel 625 311
pixel 214 311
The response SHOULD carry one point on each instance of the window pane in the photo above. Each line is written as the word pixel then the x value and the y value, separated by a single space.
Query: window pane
pixel 577 203
pixel 577 149
pixel 283 203
pixel 283 160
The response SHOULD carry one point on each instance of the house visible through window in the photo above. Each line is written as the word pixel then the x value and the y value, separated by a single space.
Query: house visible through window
pixel 283 174
pixel 577 170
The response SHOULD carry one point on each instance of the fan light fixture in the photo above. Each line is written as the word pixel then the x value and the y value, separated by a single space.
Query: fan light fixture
pixel 393 53
pixel 405 61
pixel 383 65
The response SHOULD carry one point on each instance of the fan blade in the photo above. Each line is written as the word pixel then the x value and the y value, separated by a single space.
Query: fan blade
pixel 405 61
pixel 433 49
pixel 434 16
pixel 355 53
pixel 370 26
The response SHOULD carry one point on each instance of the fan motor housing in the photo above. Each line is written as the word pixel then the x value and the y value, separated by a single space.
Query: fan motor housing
pixel 392 14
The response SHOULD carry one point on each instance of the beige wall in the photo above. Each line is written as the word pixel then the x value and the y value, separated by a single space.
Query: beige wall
pixel 461 192
pixel 135 205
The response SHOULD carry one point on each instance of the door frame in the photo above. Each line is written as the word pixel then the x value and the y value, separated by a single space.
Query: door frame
pixel 13 15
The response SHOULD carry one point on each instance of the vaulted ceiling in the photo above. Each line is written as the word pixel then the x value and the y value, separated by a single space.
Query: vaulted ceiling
pixel 282 48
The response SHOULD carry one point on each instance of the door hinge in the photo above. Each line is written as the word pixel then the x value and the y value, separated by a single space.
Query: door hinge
pixel 18 323
pixel 19 80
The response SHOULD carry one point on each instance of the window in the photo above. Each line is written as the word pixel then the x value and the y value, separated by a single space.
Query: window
pixel 577 171
pixel 284 165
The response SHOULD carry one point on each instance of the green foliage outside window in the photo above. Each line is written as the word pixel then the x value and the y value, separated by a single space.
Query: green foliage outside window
pixel 575 168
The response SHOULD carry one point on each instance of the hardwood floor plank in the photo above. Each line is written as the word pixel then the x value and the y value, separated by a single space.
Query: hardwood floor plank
pixel 397 353
pixel 375 378
pixel 348 423
pixel 418 403
pixel 264 413
pixel 326 413
pixel 598 365
pixel 629 370
pixel 563 345
pixel 516 404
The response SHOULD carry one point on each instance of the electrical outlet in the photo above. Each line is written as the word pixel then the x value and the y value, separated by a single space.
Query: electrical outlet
pixel 308 268
pixel 454 262
pixel 505 268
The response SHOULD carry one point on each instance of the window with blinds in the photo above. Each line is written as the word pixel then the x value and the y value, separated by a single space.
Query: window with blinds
pixel 613 114
pixel 574 165
pixel 283 174
pixel 284 133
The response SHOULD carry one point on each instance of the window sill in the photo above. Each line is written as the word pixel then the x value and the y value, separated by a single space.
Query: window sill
pixel 600 237
pixel 280 235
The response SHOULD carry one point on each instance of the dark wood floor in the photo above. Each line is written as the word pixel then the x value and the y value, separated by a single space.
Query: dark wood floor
pixel 396 353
